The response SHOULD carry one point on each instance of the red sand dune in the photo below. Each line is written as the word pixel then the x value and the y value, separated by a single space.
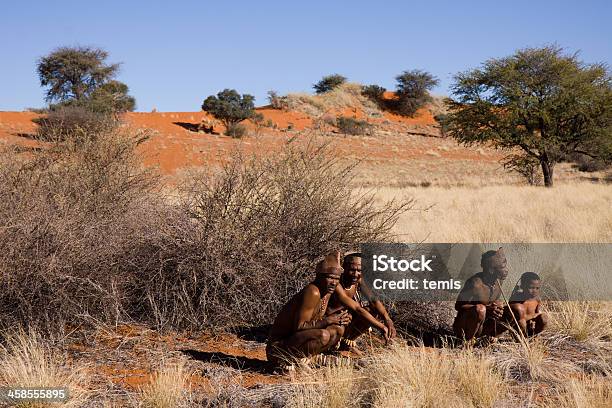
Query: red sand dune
pixel 175 146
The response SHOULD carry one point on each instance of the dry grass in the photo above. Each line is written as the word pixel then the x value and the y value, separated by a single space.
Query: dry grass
pixel 432 378
pixel 531 361
pixel 168 387
pixel 29 361
pixel 404 376
pixel 331 386
pixel 589 322
pixel 566 213
pixel 584 392
pixel 345 96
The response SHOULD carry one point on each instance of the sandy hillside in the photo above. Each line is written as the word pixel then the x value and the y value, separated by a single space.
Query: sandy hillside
pixel 400 152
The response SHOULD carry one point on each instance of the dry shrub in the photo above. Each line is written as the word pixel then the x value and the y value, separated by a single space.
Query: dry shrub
pixel 168 387
pixel 28 361
pixel 86 237
pixel 72 216
pixel 66 121
pixel 353 126
pixel 256 230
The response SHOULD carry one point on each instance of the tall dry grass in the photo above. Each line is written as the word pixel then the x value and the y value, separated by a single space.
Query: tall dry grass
pixel 332 386
pixel 168 387
pixel 421 377
pixel 582 392
pixel 27 360
pixel 566 213
pixel 583 321
pixel 405 376
pixel 345 96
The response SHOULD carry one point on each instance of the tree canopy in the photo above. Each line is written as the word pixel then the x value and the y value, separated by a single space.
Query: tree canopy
pixel 230 107
pixel 540 104
pixel 328 83
pixel 412 91
pixel 74 72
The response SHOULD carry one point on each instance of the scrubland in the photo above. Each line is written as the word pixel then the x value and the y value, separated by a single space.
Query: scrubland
pixel 90 242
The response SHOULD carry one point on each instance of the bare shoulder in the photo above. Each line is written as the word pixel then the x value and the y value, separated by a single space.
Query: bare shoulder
pixel 474 281
pixel 312 289
pixel 311 292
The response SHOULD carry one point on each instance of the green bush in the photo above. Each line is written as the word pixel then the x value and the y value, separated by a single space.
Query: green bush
pixel 79 76
pixel 375 93
pixel 413 91
pixel 230 108
pixel 328 83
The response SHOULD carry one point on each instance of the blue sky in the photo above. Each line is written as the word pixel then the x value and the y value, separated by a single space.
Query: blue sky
pixel 176 53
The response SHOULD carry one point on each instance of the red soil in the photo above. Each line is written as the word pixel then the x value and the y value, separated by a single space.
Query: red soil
pixel 174 146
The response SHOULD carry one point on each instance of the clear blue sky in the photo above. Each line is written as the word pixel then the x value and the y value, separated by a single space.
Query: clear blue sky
pixel 175 53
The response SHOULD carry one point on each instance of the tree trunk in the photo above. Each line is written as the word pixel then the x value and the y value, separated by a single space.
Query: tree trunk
pixel 547 170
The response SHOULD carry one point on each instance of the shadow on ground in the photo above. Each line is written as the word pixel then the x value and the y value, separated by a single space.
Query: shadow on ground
pixel 194 127
pixel 237 362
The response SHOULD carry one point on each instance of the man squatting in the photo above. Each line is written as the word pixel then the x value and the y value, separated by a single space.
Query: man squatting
pixel 332 311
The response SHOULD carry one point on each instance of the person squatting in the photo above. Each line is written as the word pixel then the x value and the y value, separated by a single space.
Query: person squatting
pixel 330 313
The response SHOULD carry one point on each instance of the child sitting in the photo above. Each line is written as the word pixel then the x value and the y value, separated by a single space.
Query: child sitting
pixel 525 305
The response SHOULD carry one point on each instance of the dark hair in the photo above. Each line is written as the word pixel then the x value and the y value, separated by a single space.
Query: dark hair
pixel 485 256
pixel 349 257
pixel 529 277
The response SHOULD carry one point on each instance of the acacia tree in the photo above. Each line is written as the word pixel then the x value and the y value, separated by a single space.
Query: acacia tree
pixel 540 104
pixel 412 91
pixel 74 72
pixel 80 77
pixel 329 83
pixel 230 108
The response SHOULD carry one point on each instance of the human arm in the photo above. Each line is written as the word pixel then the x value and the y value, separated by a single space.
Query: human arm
pixel 355 307
pixel 311 301
pixel 380 309
pixel 303 317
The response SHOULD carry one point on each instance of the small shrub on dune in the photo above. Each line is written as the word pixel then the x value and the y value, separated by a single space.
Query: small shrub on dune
pixel 353 126
pixel 236 130
pixel 277 101
pixel 375 93
pixel 413 91
pixel 230 108
pixel 65 122
pixel 329 83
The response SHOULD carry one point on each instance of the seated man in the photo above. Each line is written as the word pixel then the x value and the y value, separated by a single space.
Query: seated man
pixel 301 328
pixel 353 295
pixel 525 305
pixel 479 310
